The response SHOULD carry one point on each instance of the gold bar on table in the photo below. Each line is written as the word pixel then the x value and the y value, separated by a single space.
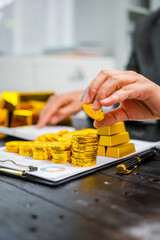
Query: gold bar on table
pixel 113 129
pixel 120 150
pixel 114 139
pixel 4 119
pixel 26 149
pixel 101 151
pixel 21 118
pixel 10 100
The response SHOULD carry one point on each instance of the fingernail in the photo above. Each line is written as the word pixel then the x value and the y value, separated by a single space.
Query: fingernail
pixel 38 125
pixel 95 104
pixel 106 100
pixel 86 99
pixel 82 96
pixel 55 120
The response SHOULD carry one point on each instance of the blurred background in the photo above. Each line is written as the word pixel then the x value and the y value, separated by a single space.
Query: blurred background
pixel 60 45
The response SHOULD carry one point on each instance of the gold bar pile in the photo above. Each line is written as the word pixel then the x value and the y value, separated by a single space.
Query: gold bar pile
pixel 114 141
pixel 84 150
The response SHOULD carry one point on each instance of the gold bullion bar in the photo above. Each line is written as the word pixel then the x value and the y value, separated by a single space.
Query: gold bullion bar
pixel 111 130
pixel 114 139
pixel 21 118
pixel 13 146
pixel 4 120
pixel 26 149
pixel 120 150
pixel 101 151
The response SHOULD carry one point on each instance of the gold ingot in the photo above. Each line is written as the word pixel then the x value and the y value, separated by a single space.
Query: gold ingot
pixel 10 100
pixel 84 147
pixel 120 150
pixel 90 131
pixel 77 163
pixel 114 139
pixel 58 146
pixel 13 146
pixel 97 115
pixel 62 132
pixel 64 154
pixel 21 118
pixel 63 157
pixel 40 151
pixel 101 151
pixel 26 149
pixel 48 137
pixel 84 154
pixel 4 120
pixel 111 130
pixel 85 138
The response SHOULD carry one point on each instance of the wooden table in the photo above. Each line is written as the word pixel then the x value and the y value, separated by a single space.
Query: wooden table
pixel 103 205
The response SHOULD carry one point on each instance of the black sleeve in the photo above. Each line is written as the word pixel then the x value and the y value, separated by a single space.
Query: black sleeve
pixel 133 63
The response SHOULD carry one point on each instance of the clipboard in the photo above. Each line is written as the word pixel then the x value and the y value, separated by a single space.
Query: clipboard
pixel 46 172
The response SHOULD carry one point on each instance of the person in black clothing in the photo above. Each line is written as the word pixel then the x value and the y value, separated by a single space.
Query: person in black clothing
pixel 145 57
pixel 137 91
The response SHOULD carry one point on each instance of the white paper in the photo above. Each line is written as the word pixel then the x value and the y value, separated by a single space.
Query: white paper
pixel 32 132
pixel 55 172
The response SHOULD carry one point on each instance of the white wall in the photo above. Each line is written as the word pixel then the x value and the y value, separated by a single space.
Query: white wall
pixel 60 74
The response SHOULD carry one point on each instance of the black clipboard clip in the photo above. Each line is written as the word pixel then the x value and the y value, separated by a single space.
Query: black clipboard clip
pixel 16 169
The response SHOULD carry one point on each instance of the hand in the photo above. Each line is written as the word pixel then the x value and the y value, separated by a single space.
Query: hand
pixel 139 98
pixel 59 107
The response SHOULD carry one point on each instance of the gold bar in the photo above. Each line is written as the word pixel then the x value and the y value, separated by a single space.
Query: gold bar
pixel 4 120
pixel 21 118
pixel 10 100
pixel 114 139
pixel 120 150
pixel 113 129
pixel 40 151
pixel 101 151
pixel 26 149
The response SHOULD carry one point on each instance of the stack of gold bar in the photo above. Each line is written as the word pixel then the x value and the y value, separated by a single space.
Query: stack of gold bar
pixel 48 137
pixel 59 152
pixel 13 146
pixel 26 149
pixel 84 150
pixel 57 147
pixel 40 151
pixel 114 141
pixel 22 108
pixel 4 116
pixel 21 118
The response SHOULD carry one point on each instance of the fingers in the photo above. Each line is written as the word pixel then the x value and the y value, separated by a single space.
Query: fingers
pixel 53 104
pixel 65 111
pixel 89 95
pixel 58 107
pixel 105 84
pixel 112 117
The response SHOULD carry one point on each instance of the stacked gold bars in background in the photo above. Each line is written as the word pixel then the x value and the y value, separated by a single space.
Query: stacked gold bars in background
pixel 114 141
pixel 23 108
pixel 19 109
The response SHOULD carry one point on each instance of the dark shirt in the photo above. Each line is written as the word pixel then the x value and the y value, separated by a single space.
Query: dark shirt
pixel 145 57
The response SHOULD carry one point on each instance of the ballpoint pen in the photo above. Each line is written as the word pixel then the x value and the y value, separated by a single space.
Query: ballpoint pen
pixel 132 163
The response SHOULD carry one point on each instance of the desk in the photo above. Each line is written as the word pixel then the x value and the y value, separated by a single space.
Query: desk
pixel 103 205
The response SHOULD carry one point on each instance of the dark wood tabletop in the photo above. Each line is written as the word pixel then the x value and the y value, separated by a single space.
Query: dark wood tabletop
pixel 103 205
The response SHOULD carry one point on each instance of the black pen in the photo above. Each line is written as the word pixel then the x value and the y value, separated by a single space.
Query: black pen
pixel 128 166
